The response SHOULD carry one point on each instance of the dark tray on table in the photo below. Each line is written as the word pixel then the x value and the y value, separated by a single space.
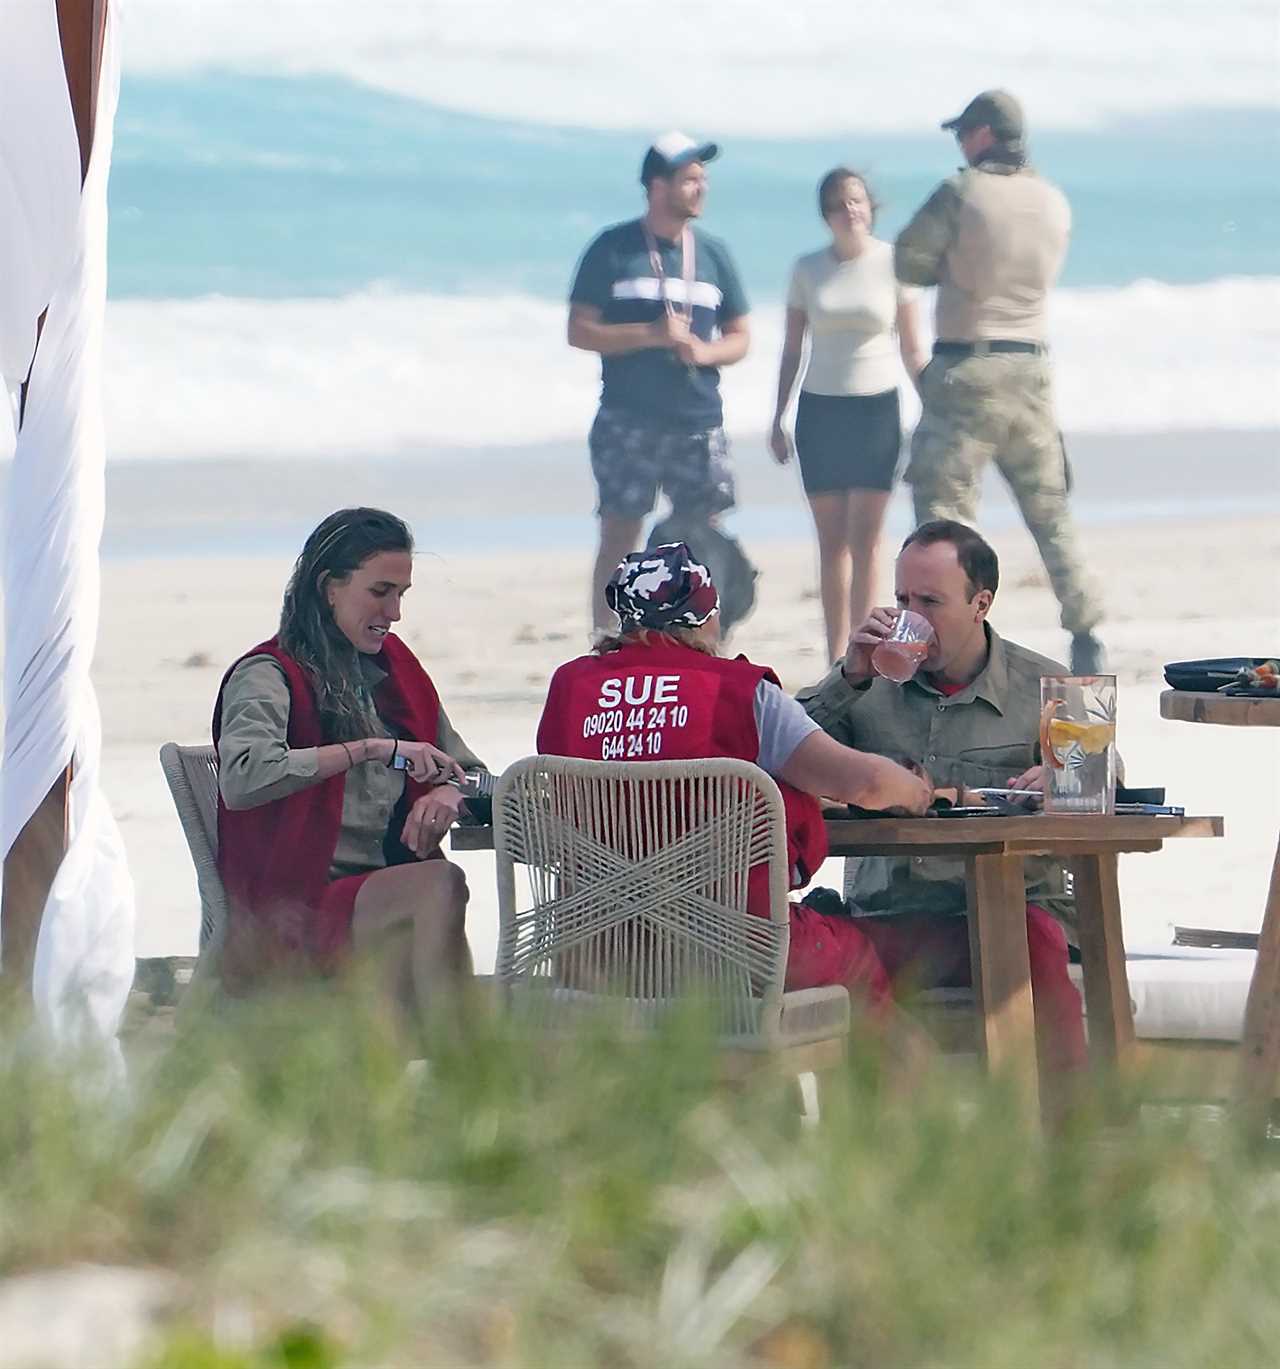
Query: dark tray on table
pixel 1208 676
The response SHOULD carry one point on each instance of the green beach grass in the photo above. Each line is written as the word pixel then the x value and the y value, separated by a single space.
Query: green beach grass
pixel 610 1205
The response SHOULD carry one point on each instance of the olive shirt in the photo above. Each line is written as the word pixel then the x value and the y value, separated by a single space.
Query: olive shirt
pixel 256 763
pixel 981 736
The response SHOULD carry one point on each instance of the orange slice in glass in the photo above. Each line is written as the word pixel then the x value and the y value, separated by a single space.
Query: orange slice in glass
pixel 1046 746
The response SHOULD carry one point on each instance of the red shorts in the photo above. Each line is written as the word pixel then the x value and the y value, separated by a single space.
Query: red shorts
pixel 869 954
pixel 922 952
pixel 293 942
pixel 329 923
pixel 827 949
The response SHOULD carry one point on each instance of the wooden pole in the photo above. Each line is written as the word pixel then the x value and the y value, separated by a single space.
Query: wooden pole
pixel 33 860
pixel 1260 1047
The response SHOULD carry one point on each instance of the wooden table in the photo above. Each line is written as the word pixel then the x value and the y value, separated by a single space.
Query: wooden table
pixel 1260 1047
pixel 993 850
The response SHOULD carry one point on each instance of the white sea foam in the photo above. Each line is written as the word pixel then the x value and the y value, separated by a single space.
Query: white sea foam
pixel 738 65
pixel 374 374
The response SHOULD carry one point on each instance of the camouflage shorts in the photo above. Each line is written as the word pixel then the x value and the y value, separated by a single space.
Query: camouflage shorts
pixel 630 459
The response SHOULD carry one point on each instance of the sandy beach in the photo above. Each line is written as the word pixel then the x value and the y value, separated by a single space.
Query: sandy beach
pixel 491 624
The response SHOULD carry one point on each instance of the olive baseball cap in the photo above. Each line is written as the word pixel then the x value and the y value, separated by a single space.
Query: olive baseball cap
pixel 997 109
pixel 672 151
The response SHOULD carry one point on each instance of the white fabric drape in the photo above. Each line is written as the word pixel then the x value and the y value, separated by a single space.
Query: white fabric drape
pixel 53 238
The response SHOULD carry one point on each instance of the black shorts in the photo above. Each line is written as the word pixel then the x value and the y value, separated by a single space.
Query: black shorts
pixel 848 442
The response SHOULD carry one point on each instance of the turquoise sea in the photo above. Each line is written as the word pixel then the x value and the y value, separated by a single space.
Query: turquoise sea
pixel 345 231
pixel 307 265
pixel 260 187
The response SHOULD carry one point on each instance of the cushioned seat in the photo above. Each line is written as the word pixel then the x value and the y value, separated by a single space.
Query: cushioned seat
pixel 1187 993
pixel 1183 997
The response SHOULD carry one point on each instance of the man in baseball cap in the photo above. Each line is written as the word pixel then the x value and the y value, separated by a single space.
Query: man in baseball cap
pixel 661 303
pixel 993 239
pixel 672 151
pixel 994 109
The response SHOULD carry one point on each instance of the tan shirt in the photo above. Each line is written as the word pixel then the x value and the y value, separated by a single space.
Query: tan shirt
pixel 851 308
pixel 981 736
pixel 992 239
pixel 256 764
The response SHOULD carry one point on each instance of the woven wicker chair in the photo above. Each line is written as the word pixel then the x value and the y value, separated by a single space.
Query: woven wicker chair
pixel 637 878
pixel 192 774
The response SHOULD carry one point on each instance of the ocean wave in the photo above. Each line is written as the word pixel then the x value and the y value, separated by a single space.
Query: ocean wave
pixel 751 65
pixel 385 374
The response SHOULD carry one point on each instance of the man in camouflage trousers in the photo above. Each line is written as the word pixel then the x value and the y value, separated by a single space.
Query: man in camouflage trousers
pixel 992 238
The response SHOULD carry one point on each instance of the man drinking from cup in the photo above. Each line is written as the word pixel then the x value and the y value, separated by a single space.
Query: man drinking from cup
pixel 970 715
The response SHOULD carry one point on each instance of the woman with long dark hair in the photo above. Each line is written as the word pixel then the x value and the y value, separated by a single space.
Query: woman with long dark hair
pixel 339 776
pixel 845 300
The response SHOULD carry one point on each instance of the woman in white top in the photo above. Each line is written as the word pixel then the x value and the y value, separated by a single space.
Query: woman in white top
pixel 846 300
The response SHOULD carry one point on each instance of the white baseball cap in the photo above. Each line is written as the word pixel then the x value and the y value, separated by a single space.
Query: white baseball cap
pixel 672 151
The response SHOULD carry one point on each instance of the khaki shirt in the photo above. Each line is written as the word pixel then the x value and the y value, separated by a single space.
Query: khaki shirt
pixel 980 737
pixel 992 239
pixel 256 763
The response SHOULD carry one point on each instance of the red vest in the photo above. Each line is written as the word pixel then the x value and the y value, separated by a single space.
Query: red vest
pixel 660 701
pixel 274 859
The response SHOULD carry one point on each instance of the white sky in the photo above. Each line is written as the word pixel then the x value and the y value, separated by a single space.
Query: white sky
pixel 764 66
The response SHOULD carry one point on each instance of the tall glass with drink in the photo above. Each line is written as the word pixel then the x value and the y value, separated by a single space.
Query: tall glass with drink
pixel 902 652
pixel 1078 743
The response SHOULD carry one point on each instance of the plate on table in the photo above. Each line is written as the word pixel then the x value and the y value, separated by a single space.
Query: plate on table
pixel 1026 800
pixel 984 803
pixel 968 811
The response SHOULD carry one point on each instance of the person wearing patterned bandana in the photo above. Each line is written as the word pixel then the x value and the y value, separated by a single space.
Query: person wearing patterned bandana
pixel 676 699
pixel 660 301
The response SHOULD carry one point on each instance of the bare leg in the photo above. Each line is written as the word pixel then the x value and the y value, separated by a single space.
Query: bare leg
pixel 412 917
pixel 618 536
pixel 831 522
pixel 866 520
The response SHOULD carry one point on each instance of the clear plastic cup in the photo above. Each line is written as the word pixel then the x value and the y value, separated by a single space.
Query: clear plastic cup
pixel 902 652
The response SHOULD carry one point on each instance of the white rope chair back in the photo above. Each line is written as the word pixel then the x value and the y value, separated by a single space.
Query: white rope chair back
pixel 637 878
pixel 192 774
